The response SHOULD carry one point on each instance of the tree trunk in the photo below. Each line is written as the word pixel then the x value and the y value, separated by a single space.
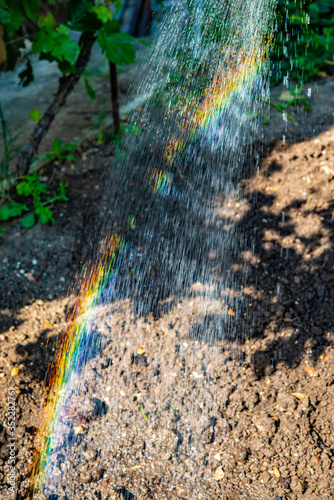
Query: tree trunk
pixel 66 85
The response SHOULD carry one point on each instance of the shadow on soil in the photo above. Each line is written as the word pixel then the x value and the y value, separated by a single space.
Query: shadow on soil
pixel 288 294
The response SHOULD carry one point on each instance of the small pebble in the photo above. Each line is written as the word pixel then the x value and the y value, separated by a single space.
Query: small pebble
pixel 77 429
pixel 276 472
pixel 219 474
pixel 14 372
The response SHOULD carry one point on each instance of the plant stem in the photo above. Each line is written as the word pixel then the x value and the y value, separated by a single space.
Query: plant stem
pixel 114 96
pixel 66 85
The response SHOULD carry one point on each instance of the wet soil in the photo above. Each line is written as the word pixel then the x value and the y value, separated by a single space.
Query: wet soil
pixel 262 420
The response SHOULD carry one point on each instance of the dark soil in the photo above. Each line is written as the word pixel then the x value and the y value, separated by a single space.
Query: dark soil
pixel 262 400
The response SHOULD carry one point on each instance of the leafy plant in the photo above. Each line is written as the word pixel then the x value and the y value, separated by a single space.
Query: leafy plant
pixel 46 25
pixel 63 151
pixel 32 187
pixel 60 151
pixel 292 98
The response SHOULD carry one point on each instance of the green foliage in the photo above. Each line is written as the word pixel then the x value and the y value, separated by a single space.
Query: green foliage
pixel 35 115
pixel 62 151
pixel 32 187
pixel 118 47
pixel 50 39
pixel 304 40
pixel 89 89
pixel 143 412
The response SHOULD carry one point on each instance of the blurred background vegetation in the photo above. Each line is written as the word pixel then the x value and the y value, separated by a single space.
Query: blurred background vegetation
pixel 64 32
pixel 304 40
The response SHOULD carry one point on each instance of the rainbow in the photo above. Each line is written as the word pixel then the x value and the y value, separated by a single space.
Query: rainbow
pixel 71 351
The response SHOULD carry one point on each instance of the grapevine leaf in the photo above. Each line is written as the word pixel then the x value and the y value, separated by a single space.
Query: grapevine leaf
pixel 118 47
pixel 47 22
pixel 102 13
pixel 5 16
pixel 80 17
pixel 31 8
pixel 16 15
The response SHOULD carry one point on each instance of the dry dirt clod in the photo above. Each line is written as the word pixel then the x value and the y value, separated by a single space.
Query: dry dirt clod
pixel 299 395
pixel 311 371
pixel 47 325
pixel 219 474
pixel 77 429
pixel 14 372
pixel 241 454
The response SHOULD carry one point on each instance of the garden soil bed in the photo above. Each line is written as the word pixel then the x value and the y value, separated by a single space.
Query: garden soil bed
pixel 271 430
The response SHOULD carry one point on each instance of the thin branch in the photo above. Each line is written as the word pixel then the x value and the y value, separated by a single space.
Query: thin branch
pixel 66 85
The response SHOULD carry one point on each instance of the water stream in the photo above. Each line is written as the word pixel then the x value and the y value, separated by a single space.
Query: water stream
pixel 136 395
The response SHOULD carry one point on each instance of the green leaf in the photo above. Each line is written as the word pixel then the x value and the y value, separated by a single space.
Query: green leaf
pixel 81 19
pixel 42 157
pixel 78 10
pixel 118 5
pixel 5 16
pixel 102 13
pixel 31 186
pixel 6 212
pixel 62 195
pixel 45 215
pixel 133 129
pixel 144 414
pixel 31 8
pixel 35 115
pixel 28 221
pixel 65 48
pixel 13 210
pixel 47 22
pixel 71 157
pixel 90 91
pixel 16 15
pixel 55 44
pixel 118 47
pixel 27 75
pixel 57 148
pixel 69 146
